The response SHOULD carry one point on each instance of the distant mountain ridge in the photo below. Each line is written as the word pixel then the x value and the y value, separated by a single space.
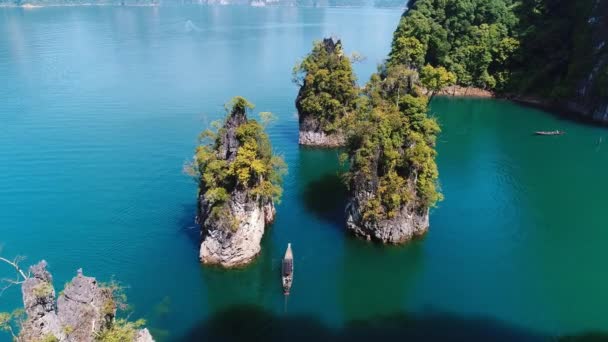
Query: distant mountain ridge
pixel 255 3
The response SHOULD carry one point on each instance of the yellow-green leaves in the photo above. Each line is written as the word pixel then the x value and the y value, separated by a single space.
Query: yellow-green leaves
pixel 328 90
pixel 391 143
pixel 407 51
pixel 435 79
pixel 474 39
pixel 254 169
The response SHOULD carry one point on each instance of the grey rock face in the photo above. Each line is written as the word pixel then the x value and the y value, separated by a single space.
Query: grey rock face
pixel 588 101
pixel 229 144
pixel 406 225
pixel 320 139
pixel 231 247
pixel 143 335
pixel 83 310
pixel 40 307
pixel 311 134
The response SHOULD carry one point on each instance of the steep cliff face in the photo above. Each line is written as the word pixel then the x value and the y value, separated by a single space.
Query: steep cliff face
pixel 311 134
pixel 407 222
pixel 238 181
pixel 562 63
pixel 82 313
pixel 592 91
pixel 40 306
pixel 230 246
pixel 327 93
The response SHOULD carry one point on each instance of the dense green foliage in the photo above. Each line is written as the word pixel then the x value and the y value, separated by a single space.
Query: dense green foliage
pixel 557 48
pixel 435 79
pixel 121 331
pixel 471 38
pixel 255 169
pixel 543 47
pixel 392 144
pixel 328 90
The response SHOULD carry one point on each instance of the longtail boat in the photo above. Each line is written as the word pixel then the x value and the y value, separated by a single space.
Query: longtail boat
pixel 287 270
pixel 549 132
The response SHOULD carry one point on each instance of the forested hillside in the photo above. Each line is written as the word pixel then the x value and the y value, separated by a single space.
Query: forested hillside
pixel 553 49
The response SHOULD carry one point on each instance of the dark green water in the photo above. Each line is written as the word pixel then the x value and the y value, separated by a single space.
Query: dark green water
pixel 100 107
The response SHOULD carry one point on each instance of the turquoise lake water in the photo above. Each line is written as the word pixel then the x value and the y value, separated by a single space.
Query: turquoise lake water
pixel 101 106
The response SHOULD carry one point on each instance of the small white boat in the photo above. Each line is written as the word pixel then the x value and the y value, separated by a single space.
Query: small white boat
pixel 549 132
pixel 287 270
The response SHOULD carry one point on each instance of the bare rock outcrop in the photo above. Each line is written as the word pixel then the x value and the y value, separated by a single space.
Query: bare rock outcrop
pixel 236 246
pixel 311 134
pixel 40 306
pixel 460 91
pixel 83 311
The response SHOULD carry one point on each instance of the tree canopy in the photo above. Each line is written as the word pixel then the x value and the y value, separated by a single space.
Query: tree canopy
pixel 254 168
pixel 543 47
pixel 392 144
pixel 327 84
pixel 471 38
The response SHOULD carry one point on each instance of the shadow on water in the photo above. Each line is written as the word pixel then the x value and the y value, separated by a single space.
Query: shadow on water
pixel 326 198
pixel 251 323
pixel 187 225
pixel 378 290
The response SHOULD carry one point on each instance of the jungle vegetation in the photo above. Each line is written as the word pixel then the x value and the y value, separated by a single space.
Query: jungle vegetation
pixel 542 47
pixel 254 169
pixel 327 83
pixel 391 144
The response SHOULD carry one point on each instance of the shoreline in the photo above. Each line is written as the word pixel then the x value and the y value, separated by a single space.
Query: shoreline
pixel 158 4
pixel 31 6
pixel 560 109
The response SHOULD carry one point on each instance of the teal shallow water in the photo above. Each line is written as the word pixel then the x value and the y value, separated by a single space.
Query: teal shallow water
pixel 101 106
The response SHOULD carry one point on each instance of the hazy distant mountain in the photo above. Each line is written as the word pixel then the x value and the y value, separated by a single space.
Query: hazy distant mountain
pixel 259 3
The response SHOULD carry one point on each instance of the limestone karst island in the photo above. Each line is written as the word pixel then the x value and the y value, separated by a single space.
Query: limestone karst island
pixel 414 170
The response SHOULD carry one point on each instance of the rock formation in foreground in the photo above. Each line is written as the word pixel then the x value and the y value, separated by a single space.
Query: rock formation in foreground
pixel 85 311
pixel 391 148
pixel 239 180
pixel 327 93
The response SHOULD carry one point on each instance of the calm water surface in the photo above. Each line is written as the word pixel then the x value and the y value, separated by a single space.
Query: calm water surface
pixel 101 106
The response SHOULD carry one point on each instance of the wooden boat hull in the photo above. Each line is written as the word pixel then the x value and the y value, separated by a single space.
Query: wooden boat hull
pixel 549 133
pixel 287 270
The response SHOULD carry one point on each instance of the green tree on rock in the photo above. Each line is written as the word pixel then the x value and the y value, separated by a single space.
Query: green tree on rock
pixel 237 156
pixel 327 87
